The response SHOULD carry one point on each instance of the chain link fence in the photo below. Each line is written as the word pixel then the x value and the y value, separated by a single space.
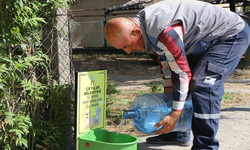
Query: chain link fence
pixel 56 43
pixel 36 78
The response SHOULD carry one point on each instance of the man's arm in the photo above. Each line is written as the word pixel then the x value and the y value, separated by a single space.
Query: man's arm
pixel 166 74
pixel 171 42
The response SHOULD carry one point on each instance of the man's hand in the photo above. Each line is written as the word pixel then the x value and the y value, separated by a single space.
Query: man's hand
pixel 168 122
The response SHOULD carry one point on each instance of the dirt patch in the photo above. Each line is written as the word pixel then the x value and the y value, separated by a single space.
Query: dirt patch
pixel 133 73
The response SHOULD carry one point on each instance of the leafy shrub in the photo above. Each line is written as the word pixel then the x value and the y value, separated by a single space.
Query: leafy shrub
pixel 111 89
pixel 32 105
pixel 156 88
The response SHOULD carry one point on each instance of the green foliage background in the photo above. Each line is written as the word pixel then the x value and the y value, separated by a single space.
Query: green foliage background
pixel 32 105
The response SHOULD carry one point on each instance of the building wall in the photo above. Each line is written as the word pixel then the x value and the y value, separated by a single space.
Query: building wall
pixel 88 31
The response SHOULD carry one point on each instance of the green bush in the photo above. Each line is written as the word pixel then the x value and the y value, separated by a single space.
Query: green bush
pixel 156 88
pixel 111 89
pixel 227 96
pixel 32 105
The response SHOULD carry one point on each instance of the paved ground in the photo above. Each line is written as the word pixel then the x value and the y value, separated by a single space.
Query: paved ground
pixel 234 130
pixel 233 134
pixel 136 72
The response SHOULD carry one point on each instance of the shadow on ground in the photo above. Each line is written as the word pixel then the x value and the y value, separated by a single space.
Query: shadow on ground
pixel 236 109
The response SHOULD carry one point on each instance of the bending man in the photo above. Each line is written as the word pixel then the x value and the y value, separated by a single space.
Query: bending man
pixel 215 40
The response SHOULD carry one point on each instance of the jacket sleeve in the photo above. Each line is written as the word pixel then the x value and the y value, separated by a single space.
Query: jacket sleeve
pixel 170 40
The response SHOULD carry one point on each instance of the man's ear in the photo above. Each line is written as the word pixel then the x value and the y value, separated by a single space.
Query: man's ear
pixel 137 32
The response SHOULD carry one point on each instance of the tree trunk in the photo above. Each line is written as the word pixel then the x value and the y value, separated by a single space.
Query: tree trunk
pixel 232 5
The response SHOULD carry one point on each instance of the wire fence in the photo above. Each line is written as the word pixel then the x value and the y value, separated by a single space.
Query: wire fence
pixel 57 44
pixel 36 79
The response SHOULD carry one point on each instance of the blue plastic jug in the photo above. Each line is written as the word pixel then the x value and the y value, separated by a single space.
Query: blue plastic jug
pixel 148 109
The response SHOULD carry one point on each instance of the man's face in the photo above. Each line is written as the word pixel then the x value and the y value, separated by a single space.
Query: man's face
pixel 128 41
pixel 133 43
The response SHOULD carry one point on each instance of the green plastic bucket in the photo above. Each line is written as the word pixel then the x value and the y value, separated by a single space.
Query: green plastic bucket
pixel 100 139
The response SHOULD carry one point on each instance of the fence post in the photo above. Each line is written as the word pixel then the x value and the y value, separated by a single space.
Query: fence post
pixel 65 73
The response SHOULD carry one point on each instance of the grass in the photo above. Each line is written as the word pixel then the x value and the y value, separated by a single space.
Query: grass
pixel 156 88
pixel 124 100
pixel 118 101
pixel 232 98
pixel 228 96
pixel 111 89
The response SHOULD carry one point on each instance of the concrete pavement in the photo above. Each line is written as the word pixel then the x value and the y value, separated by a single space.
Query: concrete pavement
pixel 233 134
